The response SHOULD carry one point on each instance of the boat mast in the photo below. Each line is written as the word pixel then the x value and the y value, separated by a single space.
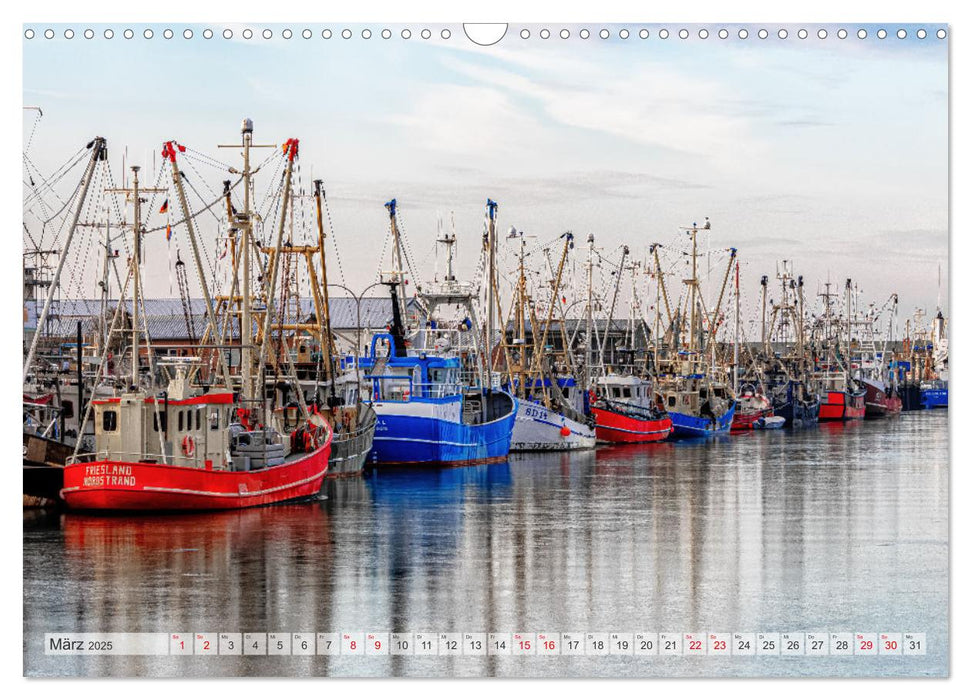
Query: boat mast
pixel 134 194
pixel 168 151
pixel 588 362
pixel 735 351
pixel 99 152
pixel 328 345
pixel 290 149
pixel 491 207
pixel 246 323
pixel 243 222
pixel 613 302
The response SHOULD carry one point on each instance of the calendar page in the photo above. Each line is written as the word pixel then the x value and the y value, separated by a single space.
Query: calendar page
pixel 449 350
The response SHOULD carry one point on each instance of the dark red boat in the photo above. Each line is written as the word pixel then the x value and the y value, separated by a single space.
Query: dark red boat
pixel 880 400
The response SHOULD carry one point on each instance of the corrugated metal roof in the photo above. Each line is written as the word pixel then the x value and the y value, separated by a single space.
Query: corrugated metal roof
pixel 166 320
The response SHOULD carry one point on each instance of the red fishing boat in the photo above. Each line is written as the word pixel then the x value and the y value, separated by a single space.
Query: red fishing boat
pixel 624 412
pixel 192 453
pixel 880 400
pixel 751 407
pixel 842 399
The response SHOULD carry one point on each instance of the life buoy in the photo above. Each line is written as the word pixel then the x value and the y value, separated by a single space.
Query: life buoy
pixel 565 431
pixel 188 446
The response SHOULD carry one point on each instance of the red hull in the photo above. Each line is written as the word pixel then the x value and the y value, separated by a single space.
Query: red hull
pixel 840 405
pixel 745 421
pixel 879 404
pixel 617 427
pixel 130 486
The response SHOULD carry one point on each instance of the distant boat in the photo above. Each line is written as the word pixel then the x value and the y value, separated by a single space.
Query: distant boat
pixel 752 406
pixel 625 411
pixel 698 408
pixel 933 394
pixel 880 399
pixel 841 401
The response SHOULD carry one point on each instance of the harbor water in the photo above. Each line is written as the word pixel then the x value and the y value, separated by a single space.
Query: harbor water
pixel 838 528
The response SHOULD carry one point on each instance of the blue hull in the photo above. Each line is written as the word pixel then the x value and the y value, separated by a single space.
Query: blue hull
pixel 688 426
pixel 419 440
pixel 798 414
pixel 933 398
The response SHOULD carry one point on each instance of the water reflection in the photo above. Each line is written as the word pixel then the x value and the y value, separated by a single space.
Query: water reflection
pixel 839 528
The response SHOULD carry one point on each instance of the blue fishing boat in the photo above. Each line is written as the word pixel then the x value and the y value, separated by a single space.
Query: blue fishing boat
pixel 933 394
pixel 697 405
pixel 426 417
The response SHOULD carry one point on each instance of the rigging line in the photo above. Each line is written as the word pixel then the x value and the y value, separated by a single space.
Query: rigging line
pixel 32 241
pixel 219 200
pixel 34 129
pixel 408 254
pixel 77 188
pixel 57 175
pixel 203 157
pixel 204 180
pixel 271 195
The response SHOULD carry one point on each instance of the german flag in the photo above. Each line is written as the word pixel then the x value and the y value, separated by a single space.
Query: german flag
pixel 164 208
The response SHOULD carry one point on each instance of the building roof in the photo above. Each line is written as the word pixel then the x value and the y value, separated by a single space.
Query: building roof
pixel 165 318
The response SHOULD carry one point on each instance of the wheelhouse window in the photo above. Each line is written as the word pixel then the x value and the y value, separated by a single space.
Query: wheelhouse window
pixel 672 401
pixel 109 421
pixel 181 426
pixel 198 419
pixel 214 420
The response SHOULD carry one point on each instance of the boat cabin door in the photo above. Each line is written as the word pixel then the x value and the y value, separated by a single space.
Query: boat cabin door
pixel 131 426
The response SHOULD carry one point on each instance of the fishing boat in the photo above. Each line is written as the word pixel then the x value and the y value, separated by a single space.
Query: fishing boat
pixel 551 416
pixel 626 411
pixel 692 385
pixel 752 406
pixel 879 399
pixel 192 446
pixel 842 396
pixel 305 363
pixel 934 391
pixel 792 400
pixel 425 416
pixel 540 428
pixel 428 413
pixel 178 452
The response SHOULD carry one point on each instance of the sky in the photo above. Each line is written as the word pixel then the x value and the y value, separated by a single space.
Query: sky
pixel 831 153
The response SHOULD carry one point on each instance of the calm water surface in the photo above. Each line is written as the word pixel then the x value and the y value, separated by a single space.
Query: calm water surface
pixel 839 528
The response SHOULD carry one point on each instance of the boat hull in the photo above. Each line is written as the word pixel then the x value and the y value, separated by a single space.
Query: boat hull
pixel 109 485
pixel 431 433
pixel 878 401
pixel 910 396
pixel 617 427
pixel 349 453
pixel 842 405
pixel 934 398
pixel 538 429
pixel 748 420
pixel 685 425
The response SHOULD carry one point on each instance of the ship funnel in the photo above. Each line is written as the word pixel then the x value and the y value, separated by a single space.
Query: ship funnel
pixel 247 126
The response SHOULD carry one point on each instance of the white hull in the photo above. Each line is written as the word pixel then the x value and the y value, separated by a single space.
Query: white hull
pixel 539 429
